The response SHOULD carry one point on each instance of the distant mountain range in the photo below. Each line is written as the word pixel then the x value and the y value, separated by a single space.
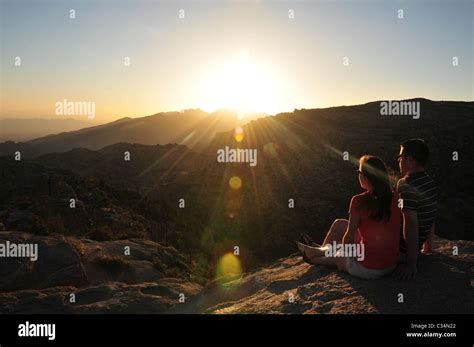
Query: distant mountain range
pixel 193 128
pixel 23 129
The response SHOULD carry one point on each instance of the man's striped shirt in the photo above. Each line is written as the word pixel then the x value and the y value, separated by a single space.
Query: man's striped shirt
pixel 419 192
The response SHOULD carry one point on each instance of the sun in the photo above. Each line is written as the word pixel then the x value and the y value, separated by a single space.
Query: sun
pixel 242 84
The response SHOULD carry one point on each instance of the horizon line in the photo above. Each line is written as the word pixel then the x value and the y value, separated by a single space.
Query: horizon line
pixel 222 109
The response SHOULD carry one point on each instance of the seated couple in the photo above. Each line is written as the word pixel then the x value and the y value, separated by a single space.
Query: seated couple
pixel 389 227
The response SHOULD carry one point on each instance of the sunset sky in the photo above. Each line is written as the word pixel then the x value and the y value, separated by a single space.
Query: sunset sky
pixel 243 54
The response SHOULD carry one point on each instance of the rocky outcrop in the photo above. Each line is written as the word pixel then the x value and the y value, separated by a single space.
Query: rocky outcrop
pixel 126 276
pixel 112 297
pixel 444 284
pixel 57 263
pixel 152 279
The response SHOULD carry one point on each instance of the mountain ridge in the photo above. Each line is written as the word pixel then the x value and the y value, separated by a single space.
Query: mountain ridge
pixel 191 127
pixel 197 135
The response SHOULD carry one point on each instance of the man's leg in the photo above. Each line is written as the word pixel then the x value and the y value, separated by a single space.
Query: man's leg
pixel 428 244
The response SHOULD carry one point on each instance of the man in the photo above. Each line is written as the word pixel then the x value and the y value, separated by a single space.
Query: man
pixel 419 200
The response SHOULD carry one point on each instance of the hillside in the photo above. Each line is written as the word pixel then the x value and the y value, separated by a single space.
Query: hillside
pixel 37 198
pixel 193 128
pixel 148 166
pixel 19 129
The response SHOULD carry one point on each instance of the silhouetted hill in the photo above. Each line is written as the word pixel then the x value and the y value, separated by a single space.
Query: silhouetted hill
pixel 147 166
pixel 194 128
pixel 10 148
pixel 22 129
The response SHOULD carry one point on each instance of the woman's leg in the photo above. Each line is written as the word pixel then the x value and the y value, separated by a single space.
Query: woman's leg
pixel 336 232
pixel 312 252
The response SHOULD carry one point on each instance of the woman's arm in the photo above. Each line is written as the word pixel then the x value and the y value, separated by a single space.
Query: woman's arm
pixel 354 220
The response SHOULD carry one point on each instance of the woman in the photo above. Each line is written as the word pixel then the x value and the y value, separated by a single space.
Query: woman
pixel 373 227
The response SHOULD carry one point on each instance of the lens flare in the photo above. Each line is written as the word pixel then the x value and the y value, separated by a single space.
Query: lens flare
pixel 239 134
pixel 228 271
pixel 235 182
pixel 271 150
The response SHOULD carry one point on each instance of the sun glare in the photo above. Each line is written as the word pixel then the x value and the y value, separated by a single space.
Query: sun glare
pixel 243 85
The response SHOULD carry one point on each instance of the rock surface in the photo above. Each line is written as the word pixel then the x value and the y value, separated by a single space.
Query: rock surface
pixel 444 284
pixel 152 278
pixel 103 278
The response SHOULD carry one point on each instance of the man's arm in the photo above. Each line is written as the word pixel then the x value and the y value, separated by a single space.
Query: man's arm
pixel 410 234
pixel 410 198
pixel 428 244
